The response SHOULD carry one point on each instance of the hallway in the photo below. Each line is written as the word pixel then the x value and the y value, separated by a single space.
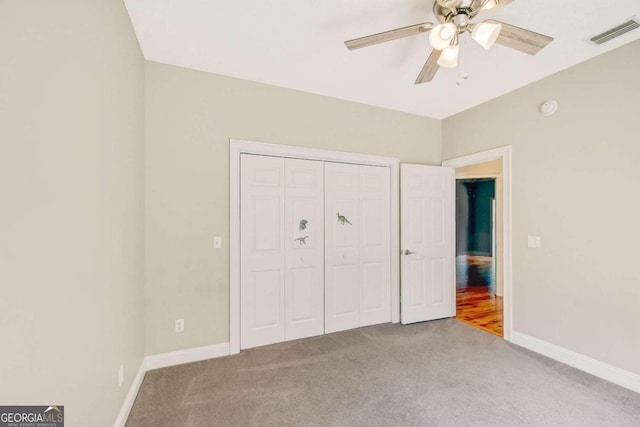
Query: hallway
pixel 476 302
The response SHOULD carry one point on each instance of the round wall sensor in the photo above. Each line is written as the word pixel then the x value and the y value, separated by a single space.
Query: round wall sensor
pixel 549 108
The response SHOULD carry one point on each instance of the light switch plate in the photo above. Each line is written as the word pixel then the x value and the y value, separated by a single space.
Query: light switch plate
pixel 179 325
pixel 534 242
pixel 217 242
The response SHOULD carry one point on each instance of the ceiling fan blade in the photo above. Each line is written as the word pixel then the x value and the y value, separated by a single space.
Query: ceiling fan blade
pixel 388 35
pixel 520 39
pixel 430 68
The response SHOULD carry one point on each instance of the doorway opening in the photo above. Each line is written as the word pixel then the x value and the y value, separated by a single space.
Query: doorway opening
pixel 479 295
pixel 495 165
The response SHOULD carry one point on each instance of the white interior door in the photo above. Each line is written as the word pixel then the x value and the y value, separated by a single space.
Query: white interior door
pixel 357 246
pixel 304 219
pixel 262 264
pixel 427 206
pixel 315 248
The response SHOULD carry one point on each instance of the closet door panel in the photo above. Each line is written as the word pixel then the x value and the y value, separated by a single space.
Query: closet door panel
pixel 304 218
pixel 342 269
pixel 262 265
pixel 315 248
pixel 375 244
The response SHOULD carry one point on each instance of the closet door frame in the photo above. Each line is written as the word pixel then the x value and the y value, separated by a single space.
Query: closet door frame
pixel 238 147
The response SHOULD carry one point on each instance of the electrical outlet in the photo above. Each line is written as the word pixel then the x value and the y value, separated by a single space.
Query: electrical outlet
pixel 120 375
pixel 217 242
pixel 179 325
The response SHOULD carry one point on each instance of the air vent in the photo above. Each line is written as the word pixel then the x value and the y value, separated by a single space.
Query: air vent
pixel 616 32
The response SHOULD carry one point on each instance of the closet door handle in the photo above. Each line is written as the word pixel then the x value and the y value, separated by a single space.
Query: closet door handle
pixel 408 252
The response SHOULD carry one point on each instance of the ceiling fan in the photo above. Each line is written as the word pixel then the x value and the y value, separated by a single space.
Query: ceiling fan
pixel 455 18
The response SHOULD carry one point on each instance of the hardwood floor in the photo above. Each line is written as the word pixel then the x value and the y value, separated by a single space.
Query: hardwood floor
pixel 476 302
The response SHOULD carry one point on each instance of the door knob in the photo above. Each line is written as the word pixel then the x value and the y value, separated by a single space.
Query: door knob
pixel 408 252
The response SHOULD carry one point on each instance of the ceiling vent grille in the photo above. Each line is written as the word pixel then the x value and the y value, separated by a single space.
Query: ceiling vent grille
pixel 616 32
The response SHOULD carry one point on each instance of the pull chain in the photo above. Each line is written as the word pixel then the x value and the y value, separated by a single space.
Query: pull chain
pixel 462 68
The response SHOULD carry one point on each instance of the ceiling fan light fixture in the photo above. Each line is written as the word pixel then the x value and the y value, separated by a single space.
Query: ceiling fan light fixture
pixel 456 18
pixel 449 57
pixel 490 4
pixel 486 34
pixel 441 35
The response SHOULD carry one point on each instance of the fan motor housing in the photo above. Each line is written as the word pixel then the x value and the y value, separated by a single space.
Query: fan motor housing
pixel 444 9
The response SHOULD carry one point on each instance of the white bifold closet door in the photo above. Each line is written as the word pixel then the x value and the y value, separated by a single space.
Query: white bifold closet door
pixel 282 252
pixel 357 246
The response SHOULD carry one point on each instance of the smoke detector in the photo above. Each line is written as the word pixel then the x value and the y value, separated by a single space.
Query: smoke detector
pixel 549 108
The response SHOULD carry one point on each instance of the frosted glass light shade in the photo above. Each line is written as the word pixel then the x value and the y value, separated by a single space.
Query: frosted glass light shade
pixel 449 57
pixel 441 35
pixel 486 34
pixel 491 4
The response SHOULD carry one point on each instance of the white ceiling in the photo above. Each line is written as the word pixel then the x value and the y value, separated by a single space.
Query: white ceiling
pixel 298 44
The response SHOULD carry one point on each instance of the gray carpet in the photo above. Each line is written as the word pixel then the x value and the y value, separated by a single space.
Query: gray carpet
pixel 441 373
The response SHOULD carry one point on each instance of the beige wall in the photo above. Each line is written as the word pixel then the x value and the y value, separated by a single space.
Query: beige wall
pixel 575 179
pixel 190 117
pixel 71 212
pixel 493 168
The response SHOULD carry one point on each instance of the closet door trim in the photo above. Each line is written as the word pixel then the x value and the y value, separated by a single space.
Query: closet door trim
pixel 238 147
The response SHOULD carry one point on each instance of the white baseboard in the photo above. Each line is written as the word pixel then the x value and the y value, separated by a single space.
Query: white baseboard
pixel 186 356
pixel 594 367
pixel 162 361
pixel 131 396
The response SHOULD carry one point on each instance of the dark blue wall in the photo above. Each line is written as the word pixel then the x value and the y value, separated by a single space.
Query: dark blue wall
pixel 473 216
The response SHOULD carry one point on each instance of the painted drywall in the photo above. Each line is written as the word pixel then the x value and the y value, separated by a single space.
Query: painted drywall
pixel 476 225
pixel 190 117
pixel 581 289
pixel 462 217
pixel 492 168
pixel 71 206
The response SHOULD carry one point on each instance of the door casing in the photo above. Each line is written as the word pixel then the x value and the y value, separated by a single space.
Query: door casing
pixel 238 147
pixel 503 153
